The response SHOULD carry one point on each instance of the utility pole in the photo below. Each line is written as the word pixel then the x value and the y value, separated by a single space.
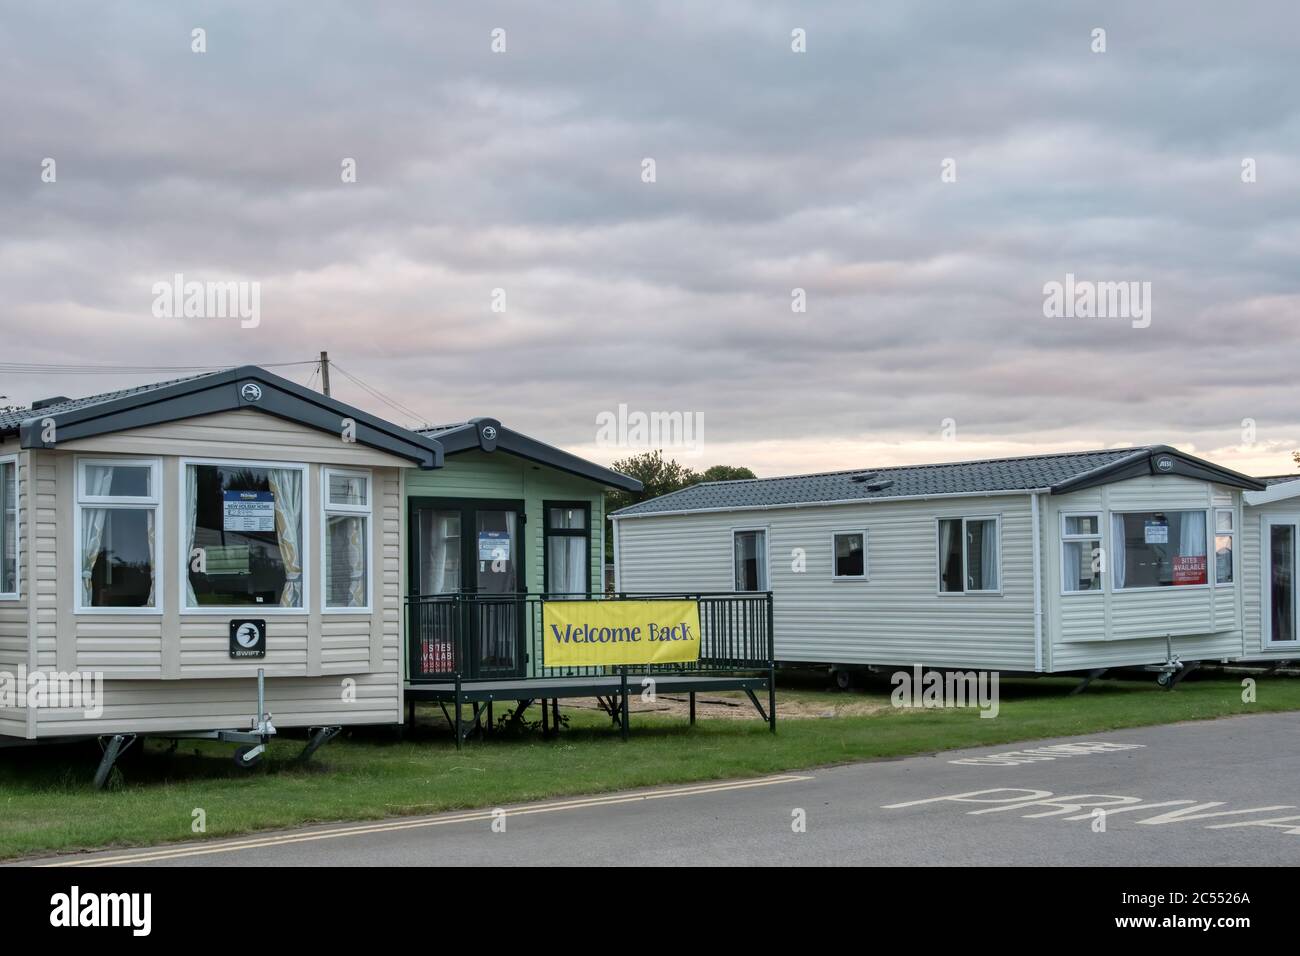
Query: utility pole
pixel 325 372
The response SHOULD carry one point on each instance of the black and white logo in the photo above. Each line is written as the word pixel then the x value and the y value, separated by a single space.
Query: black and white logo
pixel 1164 463
pixel 489 432
pixel 251 392
pixel 247 639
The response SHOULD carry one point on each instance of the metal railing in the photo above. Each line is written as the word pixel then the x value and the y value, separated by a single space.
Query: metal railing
pixel 499 636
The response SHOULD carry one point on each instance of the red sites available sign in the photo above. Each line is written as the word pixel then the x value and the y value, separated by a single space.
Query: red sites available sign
pixel 1189 569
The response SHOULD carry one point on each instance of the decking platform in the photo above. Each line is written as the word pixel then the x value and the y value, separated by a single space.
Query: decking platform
pixel 612 690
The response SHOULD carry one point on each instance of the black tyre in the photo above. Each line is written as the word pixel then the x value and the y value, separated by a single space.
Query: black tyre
pixel 843 679
pixel 243 760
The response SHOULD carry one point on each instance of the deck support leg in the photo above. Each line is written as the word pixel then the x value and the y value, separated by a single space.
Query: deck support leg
pixel 624 722
pixel 771 697
pixel 546 720
pixel 555 715
pixel 1091 676
pixel 410 715
pixel 114 748
pixel 459 739
pixel 692 708
pixel 753 699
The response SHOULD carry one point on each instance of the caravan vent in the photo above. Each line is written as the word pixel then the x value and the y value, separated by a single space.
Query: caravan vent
pixel 47 402
pixel 880 485
pixel 864 476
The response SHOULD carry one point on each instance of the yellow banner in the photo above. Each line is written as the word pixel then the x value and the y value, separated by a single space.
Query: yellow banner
pixel 587 633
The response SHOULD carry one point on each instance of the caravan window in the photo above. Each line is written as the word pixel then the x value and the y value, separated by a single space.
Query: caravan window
pixel 8 527
pixel 1223 535
pixel 242 527
pixel 849 555
pixel 568 548
pixel 1080 553
pixel 1157 549
pixel 751 560
pixel 347 540
pixel 116 536
pixel 969 555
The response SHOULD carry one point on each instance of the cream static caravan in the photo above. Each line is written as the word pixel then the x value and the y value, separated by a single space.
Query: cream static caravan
pixel 1051 563
pixel 142 527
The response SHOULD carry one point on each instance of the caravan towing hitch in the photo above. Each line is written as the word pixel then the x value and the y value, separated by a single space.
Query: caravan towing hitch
pixel 1172 670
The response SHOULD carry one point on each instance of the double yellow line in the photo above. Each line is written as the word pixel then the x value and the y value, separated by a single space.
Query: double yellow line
pixel 311 836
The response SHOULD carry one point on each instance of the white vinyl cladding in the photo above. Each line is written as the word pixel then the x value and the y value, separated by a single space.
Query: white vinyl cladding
pixel 15 623
pixel 1250 543
pixel 898 617
pixel 172 670
pixel 1108 628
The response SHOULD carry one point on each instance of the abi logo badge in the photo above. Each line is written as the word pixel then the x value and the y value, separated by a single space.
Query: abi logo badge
pixel 247 639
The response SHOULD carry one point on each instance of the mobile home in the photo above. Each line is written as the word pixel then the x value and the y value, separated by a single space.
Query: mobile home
pixel 1270 537
pixel 173 540
pixel 1050 563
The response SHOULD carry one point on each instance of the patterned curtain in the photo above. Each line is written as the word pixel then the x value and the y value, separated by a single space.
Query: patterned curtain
pixel 286 486
pixel 99 481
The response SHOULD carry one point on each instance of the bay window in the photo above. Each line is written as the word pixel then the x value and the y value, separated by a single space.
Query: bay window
pixel 242 525
pixel 1080 553
pixel 1157 549
pixel 348 508
pixel 968 555
pixel 8 527
pixel 567 548
pixel 117 534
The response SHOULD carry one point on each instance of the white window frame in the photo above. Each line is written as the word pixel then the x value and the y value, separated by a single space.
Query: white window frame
pixel 1205 516
pixel 1211 551
pixel 767 559
pixel 1266 523
pixel 1099 537
pixel 17 593
pixel 938 558
pixel 866 565
pixel 244 610
pixel 366 511
pixel 125 503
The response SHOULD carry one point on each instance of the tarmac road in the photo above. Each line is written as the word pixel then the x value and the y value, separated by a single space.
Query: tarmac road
pixel 1207 793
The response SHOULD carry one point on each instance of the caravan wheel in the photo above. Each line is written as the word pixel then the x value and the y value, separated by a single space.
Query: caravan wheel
pixel 843 678
pixel 243 761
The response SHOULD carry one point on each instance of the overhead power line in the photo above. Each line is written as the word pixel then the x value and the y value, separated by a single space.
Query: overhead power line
pixel 380 396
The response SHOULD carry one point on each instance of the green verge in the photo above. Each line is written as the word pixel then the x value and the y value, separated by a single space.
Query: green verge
pixel 46 803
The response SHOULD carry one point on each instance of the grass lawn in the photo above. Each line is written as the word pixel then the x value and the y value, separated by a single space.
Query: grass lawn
pixel 46 802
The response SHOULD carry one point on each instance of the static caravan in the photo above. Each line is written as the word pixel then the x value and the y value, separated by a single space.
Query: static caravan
pixel 173 540
pixel 506 515
pixel 1270 537
pixel 1052 563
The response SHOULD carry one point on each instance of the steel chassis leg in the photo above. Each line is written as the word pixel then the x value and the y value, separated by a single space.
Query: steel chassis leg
pixel 114 748
pixel 320 736
pixel 1092 676
pixel 1183 672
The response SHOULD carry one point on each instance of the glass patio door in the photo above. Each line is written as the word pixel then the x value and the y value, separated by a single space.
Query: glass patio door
pixel 467 570
pixel 1281 534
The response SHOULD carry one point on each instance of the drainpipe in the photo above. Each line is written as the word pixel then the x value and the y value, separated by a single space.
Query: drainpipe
pixel 1038 582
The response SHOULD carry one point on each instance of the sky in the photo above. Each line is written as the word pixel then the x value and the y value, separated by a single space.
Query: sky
pixel 920 171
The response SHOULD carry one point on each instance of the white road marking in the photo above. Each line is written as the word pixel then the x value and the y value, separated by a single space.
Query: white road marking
pixel 171 853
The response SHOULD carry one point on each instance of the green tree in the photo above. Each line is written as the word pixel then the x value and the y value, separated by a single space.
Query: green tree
pixel 724 473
